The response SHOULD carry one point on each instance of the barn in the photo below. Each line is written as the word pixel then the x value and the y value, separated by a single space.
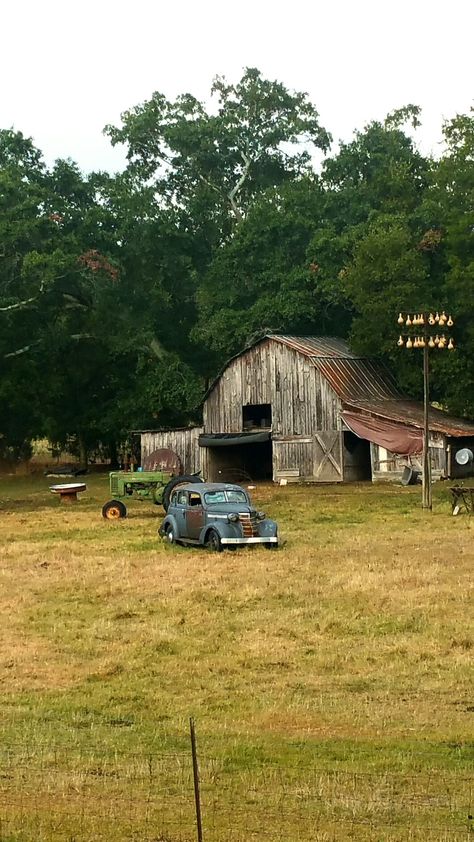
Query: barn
pixel 304 408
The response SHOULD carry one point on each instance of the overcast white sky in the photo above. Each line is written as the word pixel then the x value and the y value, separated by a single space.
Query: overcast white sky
pixel 68 68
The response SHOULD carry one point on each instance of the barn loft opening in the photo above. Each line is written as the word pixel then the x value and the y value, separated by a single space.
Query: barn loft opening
pixel 257 416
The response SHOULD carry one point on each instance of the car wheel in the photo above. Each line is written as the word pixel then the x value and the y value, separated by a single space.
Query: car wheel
pixel 114 510
pixel 170 535
pixel 271 546
pixel 213 541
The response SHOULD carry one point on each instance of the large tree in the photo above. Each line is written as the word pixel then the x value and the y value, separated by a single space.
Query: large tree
pixel 215 162
pixel 52 277
pixel 220 178
pixel 261 280
pixel 120 296
pixel 379 247
pixel 451 201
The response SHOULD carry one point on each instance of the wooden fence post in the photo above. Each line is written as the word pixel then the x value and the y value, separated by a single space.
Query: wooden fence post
pixel 197 795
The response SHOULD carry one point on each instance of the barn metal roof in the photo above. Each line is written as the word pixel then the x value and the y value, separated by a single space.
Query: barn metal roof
pixel 358 379
pixel 315 346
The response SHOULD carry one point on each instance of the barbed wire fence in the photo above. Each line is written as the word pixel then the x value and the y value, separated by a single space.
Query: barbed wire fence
pixel 60 793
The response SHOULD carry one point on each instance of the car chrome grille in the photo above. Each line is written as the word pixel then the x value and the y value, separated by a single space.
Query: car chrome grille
pixel 249 524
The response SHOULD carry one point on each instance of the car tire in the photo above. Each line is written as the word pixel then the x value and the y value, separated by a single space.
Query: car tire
pixel 213 541
pixel 271 546
pixel 184 479
pixel 170 536
pixel 114 510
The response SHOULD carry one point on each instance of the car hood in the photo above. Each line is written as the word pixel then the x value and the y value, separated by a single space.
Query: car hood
pixel 228 508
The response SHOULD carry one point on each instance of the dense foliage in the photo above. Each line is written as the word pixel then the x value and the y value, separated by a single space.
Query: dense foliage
pixel 121 296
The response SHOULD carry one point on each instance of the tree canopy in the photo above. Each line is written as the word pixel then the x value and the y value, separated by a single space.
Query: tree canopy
pixel 120 296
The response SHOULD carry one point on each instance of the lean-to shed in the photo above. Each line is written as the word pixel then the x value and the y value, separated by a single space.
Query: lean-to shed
pixel 307 409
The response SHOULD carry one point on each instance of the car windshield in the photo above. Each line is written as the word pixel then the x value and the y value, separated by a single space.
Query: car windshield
pixel 225 496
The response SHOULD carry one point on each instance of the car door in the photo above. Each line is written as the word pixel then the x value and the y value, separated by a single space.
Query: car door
pixel 194 515
pixel 180 508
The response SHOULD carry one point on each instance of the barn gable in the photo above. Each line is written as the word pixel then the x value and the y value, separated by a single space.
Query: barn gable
pixel 295 398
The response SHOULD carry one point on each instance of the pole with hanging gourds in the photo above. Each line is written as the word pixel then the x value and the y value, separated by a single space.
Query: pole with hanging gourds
pixel 421 327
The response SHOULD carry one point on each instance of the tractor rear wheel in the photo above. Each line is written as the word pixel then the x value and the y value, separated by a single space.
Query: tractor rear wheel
pixel 184 479
pixel 114 510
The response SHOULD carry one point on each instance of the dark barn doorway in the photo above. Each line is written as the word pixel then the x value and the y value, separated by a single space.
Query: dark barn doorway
pixel 357 464
pixel 238 458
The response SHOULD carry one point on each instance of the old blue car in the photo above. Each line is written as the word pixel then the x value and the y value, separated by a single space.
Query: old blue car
pixel 216 515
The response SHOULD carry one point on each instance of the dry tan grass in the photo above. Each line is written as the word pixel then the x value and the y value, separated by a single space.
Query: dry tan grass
pixel 358 632
pixel 376 598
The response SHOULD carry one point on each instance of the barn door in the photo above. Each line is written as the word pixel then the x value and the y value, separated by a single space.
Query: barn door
pixel 328 456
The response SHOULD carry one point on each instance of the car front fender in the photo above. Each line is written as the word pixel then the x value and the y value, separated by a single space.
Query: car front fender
pixel 223 528
pixel 268 528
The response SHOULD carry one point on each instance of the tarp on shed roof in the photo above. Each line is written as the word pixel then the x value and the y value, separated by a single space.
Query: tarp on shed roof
pixel 231 439
pixel 396 438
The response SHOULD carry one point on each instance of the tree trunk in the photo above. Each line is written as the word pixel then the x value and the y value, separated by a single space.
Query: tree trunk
pixel 113 455
pixel 83 452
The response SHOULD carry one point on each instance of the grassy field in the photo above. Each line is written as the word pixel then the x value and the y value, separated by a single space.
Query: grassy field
pixel 331 681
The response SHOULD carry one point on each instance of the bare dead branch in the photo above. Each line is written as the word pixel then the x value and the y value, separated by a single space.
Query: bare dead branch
pixel 20 351
pixel 236 188
pixel 20 304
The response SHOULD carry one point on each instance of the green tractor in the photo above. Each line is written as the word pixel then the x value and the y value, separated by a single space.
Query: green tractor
pixel 146 485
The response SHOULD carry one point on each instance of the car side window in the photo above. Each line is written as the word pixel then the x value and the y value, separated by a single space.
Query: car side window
pixel 182 498
pixel 194 499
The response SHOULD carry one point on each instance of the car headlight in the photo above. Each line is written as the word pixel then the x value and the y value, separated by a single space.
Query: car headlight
pixel 233 517
pixel 261 515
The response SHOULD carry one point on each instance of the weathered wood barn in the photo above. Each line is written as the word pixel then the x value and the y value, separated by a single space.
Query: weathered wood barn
pixel 307 409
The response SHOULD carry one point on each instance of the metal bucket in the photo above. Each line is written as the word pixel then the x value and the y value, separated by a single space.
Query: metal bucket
pixel 410 476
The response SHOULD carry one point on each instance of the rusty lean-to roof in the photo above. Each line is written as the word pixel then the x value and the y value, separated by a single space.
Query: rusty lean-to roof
pixel 409 412
pixel 358 379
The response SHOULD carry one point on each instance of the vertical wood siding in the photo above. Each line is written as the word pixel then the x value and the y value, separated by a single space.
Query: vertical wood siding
pixel 183 442
pixel 302 400
pixel 315 458
pixel 306 412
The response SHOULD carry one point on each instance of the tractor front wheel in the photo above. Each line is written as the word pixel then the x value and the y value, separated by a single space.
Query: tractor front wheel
pixel 114 510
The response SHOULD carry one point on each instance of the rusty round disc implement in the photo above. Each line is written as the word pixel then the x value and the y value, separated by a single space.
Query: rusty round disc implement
pixel 163 459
